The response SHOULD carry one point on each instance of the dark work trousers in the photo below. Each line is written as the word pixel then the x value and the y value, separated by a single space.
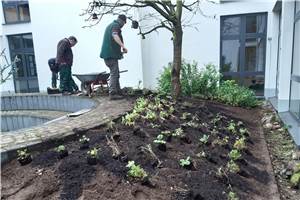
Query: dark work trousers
pixel 67 84
pixel 114 83
pixel 54 79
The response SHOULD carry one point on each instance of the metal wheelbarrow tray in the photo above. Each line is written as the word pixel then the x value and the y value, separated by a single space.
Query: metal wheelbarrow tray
pixel 88 80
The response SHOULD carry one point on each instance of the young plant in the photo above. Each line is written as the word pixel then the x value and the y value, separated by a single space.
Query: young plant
pixel 62 151
pixel 84 142
pixel 240 144
pixel 185 115
pixel 84 139
pixel 178 132
pixel 159 139
pixel 92 156
pixel 204 139
pixel 231 127
pixel 235 154
pixel 163 115
pixel 233 167
pixel 136 171
pixel 129 118
pixel 171 110
pixel 150 115
pixel 243 131
pixel 154 125
pixel 185 162
pixel 110 125
pixel 93 153
pixel 24 157
pixel 60 148
pixel 232 196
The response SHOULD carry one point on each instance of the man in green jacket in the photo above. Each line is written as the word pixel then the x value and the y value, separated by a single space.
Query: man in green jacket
pixel 112 50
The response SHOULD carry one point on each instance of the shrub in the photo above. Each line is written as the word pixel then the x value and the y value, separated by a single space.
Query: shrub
pixel 194 82
pixel 231 93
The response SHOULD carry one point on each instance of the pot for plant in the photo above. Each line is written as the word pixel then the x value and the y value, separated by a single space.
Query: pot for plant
pixel 63 154
pixel 91 160
pixel 169 138
pixel 25 161
pixel 186 139
pixel 162 147
pixel 84 145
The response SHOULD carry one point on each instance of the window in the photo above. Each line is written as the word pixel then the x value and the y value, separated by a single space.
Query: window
pixel 295 78
pixel 16 11
pixel 243 49
pixel 25 77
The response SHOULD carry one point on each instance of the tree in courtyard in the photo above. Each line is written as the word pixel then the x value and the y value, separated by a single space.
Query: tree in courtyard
pixel 6 68
pixel 166 14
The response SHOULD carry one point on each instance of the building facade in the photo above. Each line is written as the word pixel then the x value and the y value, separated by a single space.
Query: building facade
pixel 254 42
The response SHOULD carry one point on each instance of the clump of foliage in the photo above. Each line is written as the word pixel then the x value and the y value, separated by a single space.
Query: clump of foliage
pixel 130 118
pixel 240 144
pixel 194 82
pixel 178 132
pixel 232 196
pixel 23 154
pixel 136 171
pixel 150 115
pixel 232 127
pixel 206 84
pixel 159 139
pixel 231 93
pixel 204 139
pixel 233 167
pixel 235 154
pixel 93 153
pixel 185 162
pixel 220 141
pixel 84 139
pixel 60 148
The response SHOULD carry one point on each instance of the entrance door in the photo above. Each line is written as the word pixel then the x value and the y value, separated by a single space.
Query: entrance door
pixel 25 77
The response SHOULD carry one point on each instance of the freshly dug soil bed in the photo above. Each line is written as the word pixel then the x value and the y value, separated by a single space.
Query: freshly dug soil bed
pixel 48 177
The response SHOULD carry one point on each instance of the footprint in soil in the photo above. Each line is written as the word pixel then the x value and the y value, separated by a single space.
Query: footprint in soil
pixel 140 195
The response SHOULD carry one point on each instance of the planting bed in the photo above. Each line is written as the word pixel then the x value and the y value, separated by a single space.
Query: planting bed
pixel 208 177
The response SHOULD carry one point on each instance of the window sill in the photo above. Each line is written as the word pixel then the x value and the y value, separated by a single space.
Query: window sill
pixel 14 23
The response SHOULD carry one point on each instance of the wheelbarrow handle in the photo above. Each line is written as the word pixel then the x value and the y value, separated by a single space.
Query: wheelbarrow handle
pixel 123 71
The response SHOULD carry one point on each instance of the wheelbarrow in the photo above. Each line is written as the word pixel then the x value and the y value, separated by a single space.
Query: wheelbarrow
pixel 88 81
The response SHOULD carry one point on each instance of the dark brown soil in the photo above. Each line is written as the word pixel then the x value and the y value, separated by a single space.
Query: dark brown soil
pixel 48 177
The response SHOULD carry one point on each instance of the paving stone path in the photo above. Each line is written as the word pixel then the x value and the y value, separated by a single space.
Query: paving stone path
pixel 102 113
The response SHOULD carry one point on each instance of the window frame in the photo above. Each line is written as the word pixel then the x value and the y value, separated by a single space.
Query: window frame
pixel 242 37
pixel 16 4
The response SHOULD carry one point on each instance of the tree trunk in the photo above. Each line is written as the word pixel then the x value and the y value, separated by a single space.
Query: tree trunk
pixel 177 59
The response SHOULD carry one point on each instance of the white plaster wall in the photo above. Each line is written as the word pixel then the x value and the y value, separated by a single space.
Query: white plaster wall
pixel 56 19
pixel 52 20
pixel 203 45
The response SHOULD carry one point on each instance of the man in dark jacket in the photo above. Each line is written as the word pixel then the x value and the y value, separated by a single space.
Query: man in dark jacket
pixel 64 59
pixel 112 50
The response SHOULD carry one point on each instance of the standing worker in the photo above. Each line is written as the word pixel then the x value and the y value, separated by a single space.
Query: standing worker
pixel 64 59
pixel 112 50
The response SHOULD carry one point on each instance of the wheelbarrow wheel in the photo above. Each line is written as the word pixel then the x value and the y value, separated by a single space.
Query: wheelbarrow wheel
pixel 86 89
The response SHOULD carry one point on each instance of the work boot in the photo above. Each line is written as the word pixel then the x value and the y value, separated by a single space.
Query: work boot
pixel 115 97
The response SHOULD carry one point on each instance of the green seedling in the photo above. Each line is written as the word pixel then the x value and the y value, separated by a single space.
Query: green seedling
pixel 22 154
pixel 204 139
pixel 150 115
pixel 129 118
pixel 178 132
pixel 185 162
pixel 232 196
pixel 84 139
pixel 240 144
pixel 231 127
pixel 159 139
pixel 233 167
pixel 93 153
pixel 60 148
pixel 136 171
pixel 163 115
pixel 235 154
pixel 185 115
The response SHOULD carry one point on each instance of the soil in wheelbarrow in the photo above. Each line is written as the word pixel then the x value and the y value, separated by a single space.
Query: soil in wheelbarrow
pixel 48 177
